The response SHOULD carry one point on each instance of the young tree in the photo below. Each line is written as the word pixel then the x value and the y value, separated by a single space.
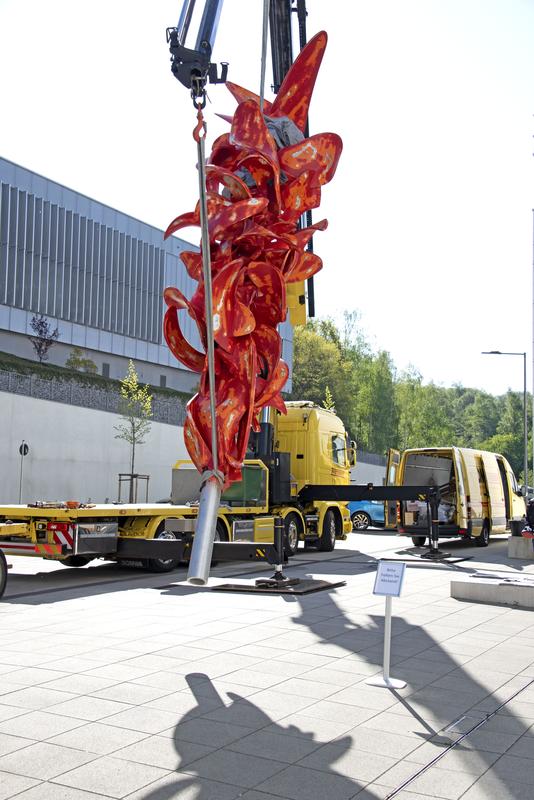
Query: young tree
pixel 328 401
pixel 77 360
pixel 44 338
pixel 136 409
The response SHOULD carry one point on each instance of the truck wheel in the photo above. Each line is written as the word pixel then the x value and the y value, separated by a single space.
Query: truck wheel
pixel 482 540
pixel 221 535
pixel 291 534
pixel 162 564
pixel 360 521
pixel 419 541
pixel 75 561
pixel 327 542
pixel 3 573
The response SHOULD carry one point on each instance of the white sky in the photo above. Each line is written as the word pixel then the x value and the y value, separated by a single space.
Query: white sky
pixel 430 233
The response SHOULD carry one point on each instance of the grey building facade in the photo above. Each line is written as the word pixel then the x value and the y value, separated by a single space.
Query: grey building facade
pixel 95 273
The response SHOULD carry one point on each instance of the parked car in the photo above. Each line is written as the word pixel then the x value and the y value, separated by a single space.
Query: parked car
pixel 366 512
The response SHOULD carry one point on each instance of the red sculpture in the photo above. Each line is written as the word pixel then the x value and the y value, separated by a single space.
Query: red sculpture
pixel 257 191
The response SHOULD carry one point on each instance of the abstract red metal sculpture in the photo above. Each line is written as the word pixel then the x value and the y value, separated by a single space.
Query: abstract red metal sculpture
pixel 258 188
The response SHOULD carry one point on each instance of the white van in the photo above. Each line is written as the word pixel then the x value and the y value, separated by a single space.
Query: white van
pixel 479 493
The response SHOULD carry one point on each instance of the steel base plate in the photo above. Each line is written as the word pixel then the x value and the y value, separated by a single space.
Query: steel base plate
pixel 302 587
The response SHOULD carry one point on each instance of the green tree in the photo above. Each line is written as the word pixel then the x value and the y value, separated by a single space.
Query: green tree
pixel 78 361
pixel 318 363
pixel 426 416
pixel 328 401
pixel 135 407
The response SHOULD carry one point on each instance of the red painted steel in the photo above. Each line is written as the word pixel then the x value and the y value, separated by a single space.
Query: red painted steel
pixel 256 195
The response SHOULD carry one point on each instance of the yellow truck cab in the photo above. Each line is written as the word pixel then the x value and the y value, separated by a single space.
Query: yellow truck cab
pixel 305 447
pixel 479 493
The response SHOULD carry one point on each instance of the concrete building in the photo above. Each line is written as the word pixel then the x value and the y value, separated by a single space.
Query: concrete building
pixel 97 275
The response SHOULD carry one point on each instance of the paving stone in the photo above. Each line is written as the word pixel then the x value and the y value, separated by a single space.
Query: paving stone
pixel 98 738
pixel 242 712
pixel 208 732
pixel 43 760
pixel 490 787
pixel 131 693
pixel 38 725
pixel 52 791
pixel 32 676
pixel 80 684
pixel 111 777
pixel 144 719
pixel 88 708
pixel 187 787
pixel 363 766
pixel 298 783
pixel 185 702
pixel 160 751
pixel 387 744
pixel 279 747
pixel 10 744
pixel 513 768
pixel 36 697
pixel 11 785
pixel 367 697
pixel 235 768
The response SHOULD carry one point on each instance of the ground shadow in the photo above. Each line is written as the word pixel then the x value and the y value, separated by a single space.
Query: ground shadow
pixel 447 693
pixel 211 775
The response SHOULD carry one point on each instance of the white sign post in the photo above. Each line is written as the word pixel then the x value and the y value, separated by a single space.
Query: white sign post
pixel 388 582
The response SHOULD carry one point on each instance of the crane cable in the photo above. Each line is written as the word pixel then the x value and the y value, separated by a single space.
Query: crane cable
pixel 199 135
pixel 264 33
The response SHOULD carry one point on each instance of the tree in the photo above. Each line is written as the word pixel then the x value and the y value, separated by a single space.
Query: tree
pixel 44 338
pixel 328 401
pixel 78 361
pixel 135 406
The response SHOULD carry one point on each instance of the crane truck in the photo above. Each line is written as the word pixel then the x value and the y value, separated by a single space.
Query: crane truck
pixel 308 445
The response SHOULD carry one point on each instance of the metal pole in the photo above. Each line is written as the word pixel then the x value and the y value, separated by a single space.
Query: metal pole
pixel 210 493
pixel 384 681
pixel 21 469
pixel 525 429
pixel 387 638
pixel 265 30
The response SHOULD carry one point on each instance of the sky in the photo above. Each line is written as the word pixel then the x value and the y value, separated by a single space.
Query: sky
pixel 430 233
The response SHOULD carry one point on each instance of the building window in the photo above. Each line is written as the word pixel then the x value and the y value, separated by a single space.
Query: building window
pixel 163 381
pixel 105 370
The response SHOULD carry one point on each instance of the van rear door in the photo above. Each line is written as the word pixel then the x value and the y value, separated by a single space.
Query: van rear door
pixel 495 488
pixel 392 476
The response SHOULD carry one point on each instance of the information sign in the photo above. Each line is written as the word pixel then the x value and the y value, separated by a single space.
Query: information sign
pixel 389 578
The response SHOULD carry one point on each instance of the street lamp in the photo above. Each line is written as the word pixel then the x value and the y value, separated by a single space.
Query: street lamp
pixel 525 430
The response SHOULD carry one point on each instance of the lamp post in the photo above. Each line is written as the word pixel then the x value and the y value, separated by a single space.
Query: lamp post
pixel 525 428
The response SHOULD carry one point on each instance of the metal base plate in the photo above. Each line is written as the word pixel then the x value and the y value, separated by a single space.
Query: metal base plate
pixel 303 587
pixel 385 683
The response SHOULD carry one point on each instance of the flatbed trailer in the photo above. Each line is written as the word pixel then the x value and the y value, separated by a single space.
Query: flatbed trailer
pixel 156 536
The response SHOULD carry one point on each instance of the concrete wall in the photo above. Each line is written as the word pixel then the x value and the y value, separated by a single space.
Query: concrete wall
pixel 74 455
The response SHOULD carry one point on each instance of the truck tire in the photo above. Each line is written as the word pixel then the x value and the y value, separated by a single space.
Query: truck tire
pixel 291 534
pixel 482 540
pixel 360 521
pixel 75 561
pixel 419 541
pixel 327 542
pixel 162 564
pixel 3 573
pixel 221 535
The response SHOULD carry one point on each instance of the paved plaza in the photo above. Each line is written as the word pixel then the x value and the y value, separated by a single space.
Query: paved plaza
pixel 121 684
